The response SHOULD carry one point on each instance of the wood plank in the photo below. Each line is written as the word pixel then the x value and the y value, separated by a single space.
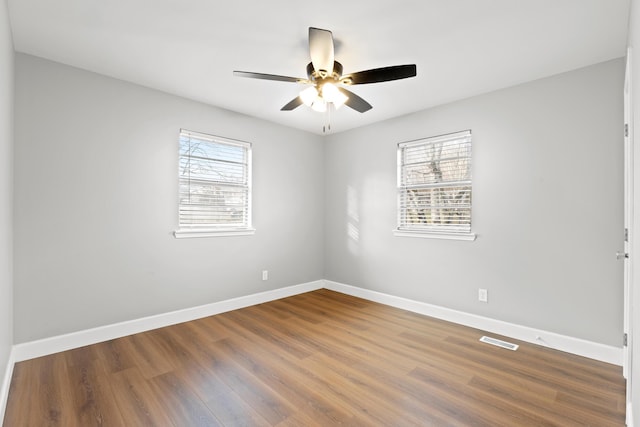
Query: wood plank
pixel 264 400
pixel 115 355
pixel 221 400
pixel 181 403
pixel 138 403
pixel 148 357
pixel 277 374
pixel 91 394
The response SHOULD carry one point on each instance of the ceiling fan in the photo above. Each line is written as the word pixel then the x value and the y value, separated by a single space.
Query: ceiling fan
pixel 324 74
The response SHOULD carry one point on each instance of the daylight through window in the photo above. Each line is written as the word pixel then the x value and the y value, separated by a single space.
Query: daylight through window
pixel 434 184
pixel 215 183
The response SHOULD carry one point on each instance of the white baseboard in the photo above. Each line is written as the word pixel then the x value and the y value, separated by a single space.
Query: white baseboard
pixel 6 383
pixel 564 343
pixel 43 347
pixel 69 341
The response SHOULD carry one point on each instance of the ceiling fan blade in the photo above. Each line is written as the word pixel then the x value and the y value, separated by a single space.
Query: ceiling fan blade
pixel 263 76
pixel 354 101
pixel 377 75
pixel 293 104
pixel 321 50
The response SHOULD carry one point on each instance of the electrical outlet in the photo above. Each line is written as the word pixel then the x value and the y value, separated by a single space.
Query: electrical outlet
pixel 483 295
pixel 265 274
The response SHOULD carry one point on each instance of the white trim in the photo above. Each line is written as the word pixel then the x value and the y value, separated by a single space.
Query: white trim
pixel 629 245
pixel 188 234
pixel 628 222
pixel 6 383
pixel 215 138
pixel 433 235
pixel 564 343
pixel 43 347
pixel 438 138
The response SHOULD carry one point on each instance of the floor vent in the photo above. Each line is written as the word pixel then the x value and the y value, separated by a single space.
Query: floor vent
pixel 499 343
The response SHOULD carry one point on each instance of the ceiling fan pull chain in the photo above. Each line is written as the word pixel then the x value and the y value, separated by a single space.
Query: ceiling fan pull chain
pixel 327 118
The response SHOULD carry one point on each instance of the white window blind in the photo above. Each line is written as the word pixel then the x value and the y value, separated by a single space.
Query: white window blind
pixel 434 184
pixel 215 183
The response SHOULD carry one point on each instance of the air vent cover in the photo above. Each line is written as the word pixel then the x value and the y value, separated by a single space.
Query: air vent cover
pixel 499 343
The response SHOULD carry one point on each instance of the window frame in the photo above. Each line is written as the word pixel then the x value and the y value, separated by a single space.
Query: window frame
pixel 434 231
pixel 211 229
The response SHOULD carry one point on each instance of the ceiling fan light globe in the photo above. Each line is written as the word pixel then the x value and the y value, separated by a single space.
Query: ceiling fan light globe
pixel 340 101
pixel 319 105
pixel 330 92
pixel 309 95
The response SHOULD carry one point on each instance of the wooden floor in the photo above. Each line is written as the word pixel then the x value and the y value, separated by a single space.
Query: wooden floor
pixel 320 358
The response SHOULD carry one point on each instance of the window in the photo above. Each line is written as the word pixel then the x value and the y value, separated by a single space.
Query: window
pixel 434 187
pixel 215 186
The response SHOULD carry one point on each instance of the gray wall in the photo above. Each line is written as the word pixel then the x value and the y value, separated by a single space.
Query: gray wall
pixel 547 207
pixel 96 203
pixel 6 189
pixel 634 43
pixel 95 196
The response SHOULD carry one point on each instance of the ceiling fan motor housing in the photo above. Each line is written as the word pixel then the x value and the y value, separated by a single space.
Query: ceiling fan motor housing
pixel 317 76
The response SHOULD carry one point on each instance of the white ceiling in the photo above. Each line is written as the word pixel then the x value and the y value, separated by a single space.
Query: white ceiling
pixel 190 47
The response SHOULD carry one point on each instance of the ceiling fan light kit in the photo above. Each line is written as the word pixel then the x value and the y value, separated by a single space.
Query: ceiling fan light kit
pixel 318 99
pixel 331 94
pixel 324 74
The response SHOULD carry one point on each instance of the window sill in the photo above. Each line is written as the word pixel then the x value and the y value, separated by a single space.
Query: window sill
pixel 195 233
pixel 470 237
